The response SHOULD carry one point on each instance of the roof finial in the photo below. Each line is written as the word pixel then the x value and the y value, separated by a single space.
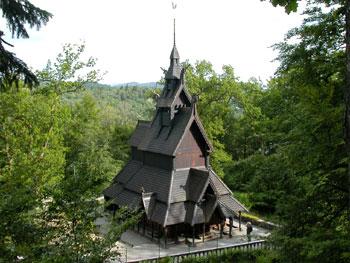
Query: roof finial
pixel 174 34
pixel 174 5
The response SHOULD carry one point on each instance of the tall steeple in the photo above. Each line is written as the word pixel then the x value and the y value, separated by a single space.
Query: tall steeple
pixel 174 53
pixel 174 71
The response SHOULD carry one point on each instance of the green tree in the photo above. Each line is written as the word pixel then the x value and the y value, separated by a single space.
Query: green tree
pixel 220 97
pixel 75 207
pixel 69 72
pixel 55 159
pixel 18 14
pixel 31 163
pixel 89 166
pixel 305 105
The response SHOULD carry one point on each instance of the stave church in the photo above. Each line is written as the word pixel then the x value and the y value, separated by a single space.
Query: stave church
pixel 169 178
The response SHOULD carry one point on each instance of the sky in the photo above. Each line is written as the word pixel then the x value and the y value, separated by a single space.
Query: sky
pixel 132 39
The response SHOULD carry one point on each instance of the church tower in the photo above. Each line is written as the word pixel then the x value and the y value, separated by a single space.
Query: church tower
pixel 169 177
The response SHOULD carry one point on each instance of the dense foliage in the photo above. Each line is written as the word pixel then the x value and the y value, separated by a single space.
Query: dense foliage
pixel 282 147
pixel 18 15
pixel 55 159
pixel 289 153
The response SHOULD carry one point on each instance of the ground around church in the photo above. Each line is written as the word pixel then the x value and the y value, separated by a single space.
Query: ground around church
pixel 134 246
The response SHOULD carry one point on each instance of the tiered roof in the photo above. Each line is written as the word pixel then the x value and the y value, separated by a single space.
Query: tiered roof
pixel 172 196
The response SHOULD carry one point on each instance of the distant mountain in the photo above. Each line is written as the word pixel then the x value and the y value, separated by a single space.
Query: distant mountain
pixel 137 84
pixel 124 85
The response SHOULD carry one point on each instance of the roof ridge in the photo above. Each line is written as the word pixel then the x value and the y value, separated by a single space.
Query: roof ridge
pixel 169 198
pixel 202 130
pixel 229 190
pixel 204 189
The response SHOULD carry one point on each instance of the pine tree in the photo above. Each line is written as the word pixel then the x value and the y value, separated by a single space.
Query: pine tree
pixel 18 14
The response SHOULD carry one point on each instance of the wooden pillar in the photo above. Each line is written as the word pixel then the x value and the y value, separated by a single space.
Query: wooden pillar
pixel 152 231
pixel 221 229
pixel 165 237
pixel 144 225
pixel 239 220
pixel 203 231
pixel 231 223
pixel 193 235
pixel 159 234
pixel 176 236
pixel 187 233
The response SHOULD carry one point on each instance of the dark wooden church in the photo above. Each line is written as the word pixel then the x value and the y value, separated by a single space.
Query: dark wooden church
pixel 169 177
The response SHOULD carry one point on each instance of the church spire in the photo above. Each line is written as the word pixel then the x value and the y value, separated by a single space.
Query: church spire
pixel 174 71
pixel 174 33
pixel 174 53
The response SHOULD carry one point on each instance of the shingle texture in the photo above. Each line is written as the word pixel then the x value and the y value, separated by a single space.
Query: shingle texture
pixel 229 202
pixel 128 171
pixel 218 186
pixel 151 179
pixel 168 195
pixel 175 197
pixel 140 131
pixel 198 182
pixel 127 198
pixel 113 190
pixel 164 139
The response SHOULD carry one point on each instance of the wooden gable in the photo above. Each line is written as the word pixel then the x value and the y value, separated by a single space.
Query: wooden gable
pixel 192 148
pixel 182 100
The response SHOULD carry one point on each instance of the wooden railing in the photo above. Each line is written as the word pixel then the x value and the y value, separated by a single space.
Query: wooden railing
pixel 175 258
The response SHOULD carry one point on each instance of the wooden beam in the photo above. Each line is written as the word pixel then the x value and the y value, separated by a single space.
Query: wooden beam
pixel 231 223
pixel 144 225
pixel 152 231
pixel 176 236
pixel 203 231
pixel 165 237
pixel 159 234
pixel 193 235
pixel 239 220
pixel 221 229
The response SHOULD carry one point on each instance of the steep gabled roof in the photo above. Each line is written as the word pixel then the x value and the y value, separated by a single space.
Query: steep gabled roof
pixel 128 171
pixel 166 139
pixel 113 190
pixel 177 213
pixel 198 182
pixel 231 203
pixel 218 186
pixel 141 129
pixel 170 197
pixel 188 185
pixel 171 94
pixel 174 197
pixel 159 214
pixel 225 196
pixel 151 179
pixel 127 198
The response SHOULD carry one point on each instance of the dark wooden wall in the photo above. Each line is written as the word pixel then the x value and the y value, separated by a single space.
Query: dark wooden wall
pixel 190 153
pixel 158 160
pixel 136 154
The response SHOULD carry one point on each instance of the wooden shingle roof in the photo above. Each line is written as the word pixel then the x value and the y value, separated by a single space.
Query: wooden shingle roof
pixel 166 139
pixel 174 197
pixel 188 195
pixel 171 92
